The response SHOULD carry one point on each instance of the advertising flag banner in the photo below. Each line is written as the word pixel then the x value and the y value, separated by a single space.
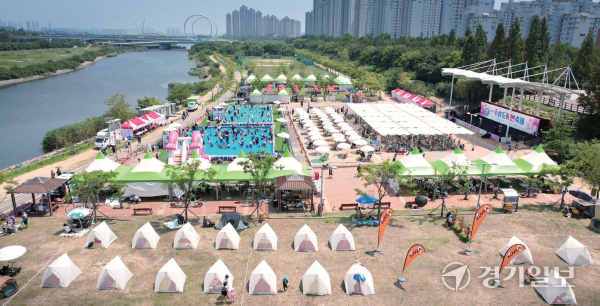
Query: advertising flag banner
pixel 385 217
pixel 480 214
pixel 511 253
pixel 413 253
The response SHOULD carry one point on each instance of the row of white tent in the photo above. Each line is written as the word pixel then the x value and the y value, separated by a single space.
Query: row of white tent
pixel 227 238
pixel 170 278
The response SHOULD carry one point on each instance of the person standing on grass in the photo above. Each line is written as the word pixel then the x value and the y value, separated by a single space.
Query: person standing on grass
pixel 285 283
pixel 224 289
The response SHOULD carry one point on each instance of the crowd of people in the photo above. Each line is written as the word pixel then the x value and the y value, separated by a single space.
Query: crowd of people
pixel 249 114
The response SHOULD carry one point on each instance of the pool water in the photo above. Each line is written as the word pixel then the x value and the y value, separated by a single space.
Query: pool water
pixel 221 147
pixel 249 114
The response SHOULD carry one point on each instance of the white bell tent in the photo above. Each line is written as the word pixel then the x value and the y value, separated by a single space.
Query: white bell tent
pixel 263 280
pixel 214 278
pixel 265 239
pixel 556 290
pixel 305 240
pixel 186 237
pixel 114 275
pixel 574 253
pixel 227 238
pixel 523 258
pixel 61 272
pixel 359 280
pixel 342 240
pixel 100 237
pixel 145 238
pixel 170 278
pixel 316 280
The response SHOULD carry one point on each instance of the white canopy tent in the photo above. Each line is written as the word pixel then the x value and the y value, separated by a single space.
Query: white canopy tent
pixel 145 237
pixel 61 272
pixel 574 253
pixel 114 275
pixel 100 237
pixel 170 278
pixel 265 239
pixel 359 280
pixel 227 238
pixel 416 165
pixel 523 258
pixel 305 240
pixel 186 238
pixel 263 280
pixel 556 290
pixel 342 239
pixel 316 280
pixel 214 278
pixel 101 163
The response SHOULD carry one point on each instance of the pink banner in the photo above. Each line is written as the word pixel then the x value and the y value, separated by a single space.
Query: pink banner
pixel 522 122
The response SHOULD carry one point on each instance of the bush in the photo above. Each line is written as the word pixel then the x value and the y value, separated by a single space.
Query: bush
pixel 66 135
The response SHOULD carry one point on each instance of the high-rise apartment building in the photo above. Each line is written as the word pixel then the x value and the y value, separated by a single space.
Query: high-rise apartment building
pixel 235 23
pixel 250 23
pixel 228 26
pixel 568 20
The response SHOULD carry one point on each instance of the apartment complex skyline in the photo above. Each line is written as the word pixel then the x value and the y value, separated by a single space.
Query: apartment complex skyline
pixel 247 22
pixel 568 20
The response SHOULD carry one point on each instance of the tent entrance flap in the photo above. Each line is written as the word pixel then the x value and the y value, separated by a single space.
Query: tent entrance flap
pixel 52 281
pixel 109 282
pixel 264 243
pixel 262 287
pixel 215 285
pixel 167 285
pixel 343 245
pixel 143 243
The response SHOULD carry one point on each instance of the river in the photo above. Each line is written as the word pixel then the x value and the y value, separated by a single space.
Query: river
pixel 32 108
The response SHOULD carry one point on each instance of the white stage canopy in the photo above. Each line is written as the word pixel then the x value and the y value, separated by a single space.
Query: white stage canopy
pixel 405 119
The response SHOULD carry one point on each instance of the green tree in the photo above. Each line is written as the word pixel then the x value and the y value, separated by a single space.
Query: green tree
pixel 187 177
pixel 147 102
pixel 378 176
pixel 544 49
pixel 468 32
pixel 589 122
pixel 451 38
pixel 118 108
pixel 586 159
pixel 469 51
pixel 179 92
pixel 481 41
pixel 533 43
pixel 561 178
pixel 558 143
pixel 586 58
pixel 259 165
pixel 89 186
pixel 515 42
pixel 498 47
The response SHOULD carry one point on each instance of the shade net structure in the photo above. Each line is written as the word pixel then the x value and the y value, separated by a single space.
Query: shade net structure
pixel 523 258
pixel 145 237
pixel 574 253
pixel 114 275
pixel 263 280
pixel 316 280
pixel 214 278
pixel 305 240
pixel 61 272
pixel 186 238
pixel 227 238
pixel 358 280
pixel 100 237
pixel 170 278
pixel 265 239
pixel 342 239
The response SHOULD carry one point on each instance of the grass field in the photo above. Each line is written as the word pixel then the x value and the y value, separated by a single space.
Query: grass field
pixel 541 228
pixel 25 58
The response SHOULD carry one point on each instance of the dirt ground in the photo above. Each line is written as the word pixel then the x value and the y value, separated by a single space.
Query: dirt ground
pixel 541 228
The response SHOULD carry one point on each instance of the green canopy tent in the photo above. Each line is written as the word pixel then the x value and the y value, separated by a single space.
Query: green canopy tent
pixel 414 164
pixel 267 78
pixel 503 164
pixel 251 79
pixel 147 179
pixel 281 78
pixel 457 158
pixel 101 163
pixel 533 162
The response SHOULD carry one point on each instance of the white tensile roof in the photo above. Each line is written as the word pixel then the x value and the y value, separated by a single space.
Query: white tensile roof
pixel 263 280
pixel 170 278
pixel 61 272
pixel 364 284
pixel 265 239
pixel 316 280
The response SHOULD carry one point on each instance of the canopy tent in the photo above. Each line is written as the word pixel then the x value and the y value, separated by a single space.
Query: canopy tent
pixel 100 237
pixel 310 78
pixel 326 76
pixel 235 219
pixel 227 238
pixel 61 272
pixel 235 170
pixel 504 166
pixel 114 275
pixel 265 239
pixel 145 237
pixel 296 77
pixel 523 258
pixel 281 78
pixel 146 179
pixel 251 79
pixel 416 165
pixel 359 280
pixel 283 96
pixel 458 159
pixel 186 238
pixel 267 78
pixel 305 240
pixel 556 290
pixel 574 253
pixel 214 278
pixel 101 163
pixel 288 162
pixel 170 278
pixel 255 93
pixel 342 240
pixel 153 117
pixel 316 280
pixel 263 280
pixel 533 162
pixel 204 164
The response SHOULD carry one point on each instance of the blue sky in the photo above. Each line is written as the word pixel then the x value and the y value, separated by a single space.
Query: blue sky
pixel 159 14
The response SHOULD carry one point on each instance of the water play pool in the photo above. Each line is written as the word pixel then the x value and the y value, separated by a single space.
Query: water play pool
pixel 220 147
pixel 249 114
